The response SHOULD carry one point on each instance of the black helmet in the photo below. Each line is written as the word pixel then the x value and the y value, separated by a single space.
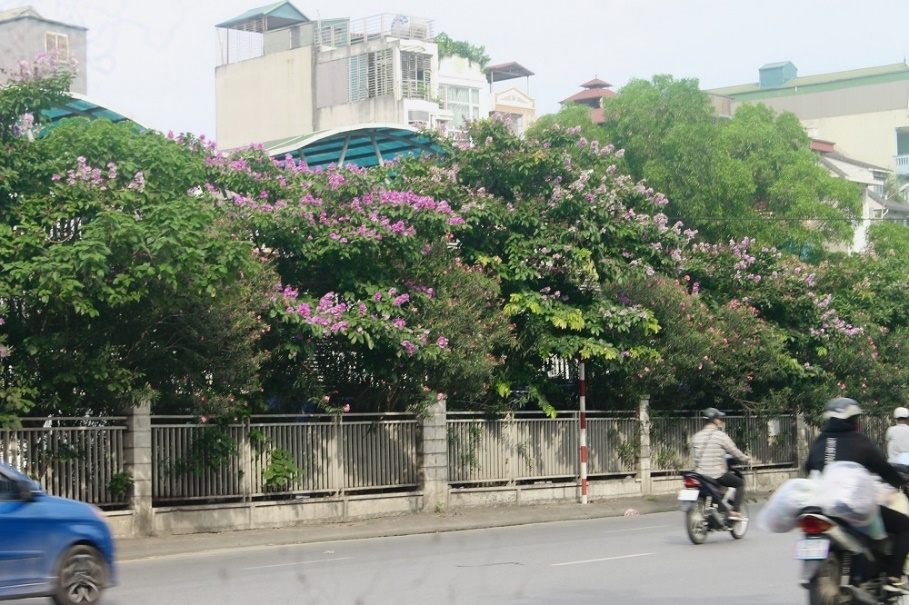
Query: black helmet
pixel 842 408
pixel 711 414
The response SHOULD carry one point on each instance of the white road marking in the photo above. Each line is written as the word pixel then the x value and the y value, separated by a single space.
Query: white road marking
pixel 297 563
pixel 642 554
pixel 615 531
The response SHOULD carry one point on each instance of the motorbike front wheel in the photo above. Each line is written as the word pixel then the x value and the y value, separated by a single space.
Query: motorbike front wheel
pixel 824 587
pixel 696 523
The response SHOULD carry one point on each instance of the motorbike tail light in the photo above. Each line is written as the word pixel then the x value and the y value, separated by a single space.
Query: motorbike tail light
pixel 692 482
pixel 814 526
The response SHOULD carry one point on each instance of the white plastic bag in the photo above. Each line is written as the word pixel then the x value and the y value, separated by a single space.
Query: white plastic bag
pixel 782 509
pixel 848 492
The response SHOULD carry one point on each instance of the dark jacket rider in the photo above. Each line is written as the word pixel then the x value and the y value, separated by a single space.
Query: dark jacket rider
pixel 840 441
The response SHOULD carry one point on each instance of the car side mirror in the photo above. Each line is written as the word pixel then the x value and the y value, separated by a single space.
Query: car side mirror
pixel 25 491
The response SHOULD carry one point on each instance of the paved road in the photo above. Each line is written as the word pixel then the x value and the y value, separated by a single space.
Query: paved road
pixel 645 559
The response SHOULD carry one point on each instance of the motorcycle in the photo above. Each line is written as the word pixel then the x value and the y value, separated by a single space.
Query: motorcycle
pixel 840 564
pixel 707 505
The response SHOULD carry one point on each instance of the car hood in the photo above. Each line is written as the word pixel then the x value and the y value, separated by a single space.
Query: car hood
pixel 64 508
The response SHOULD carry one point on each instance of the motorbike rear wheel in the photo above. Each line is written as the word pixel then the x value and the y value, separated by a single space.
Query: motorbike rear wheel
pixel 824 588
pixel 737 530
pixel 696 523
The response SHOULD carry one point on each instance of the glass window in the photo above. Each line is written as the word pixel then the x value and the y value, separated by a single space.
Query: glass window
pixel 463 103
pixel 57 43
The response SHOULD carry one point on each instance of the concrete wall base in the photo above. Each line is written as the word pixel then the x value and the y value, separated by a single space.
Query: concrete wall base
pixel 206 518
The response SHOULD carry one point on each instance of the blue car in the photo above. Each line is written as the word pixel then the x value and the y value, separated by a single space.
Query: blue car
pixel 49 546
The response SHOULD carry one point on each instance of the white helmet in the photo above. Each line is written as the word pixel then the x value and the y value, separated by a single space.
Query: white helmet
pixel 901 413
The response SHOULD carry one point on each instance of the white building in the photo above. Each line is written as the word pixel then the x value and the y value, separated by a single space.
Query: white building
pixel 284 77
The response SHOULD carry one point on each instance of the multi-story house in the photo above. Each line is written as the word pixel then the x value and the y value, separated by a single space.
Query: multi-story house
pixel 876 205
pixel 864 111
pixel 512 103
pixel 283 79
pixel 24 34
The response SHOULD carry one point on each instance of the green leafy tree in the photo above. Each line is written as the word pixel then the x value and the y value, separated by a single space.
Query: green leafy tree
pixel 753 175
pixel 461 48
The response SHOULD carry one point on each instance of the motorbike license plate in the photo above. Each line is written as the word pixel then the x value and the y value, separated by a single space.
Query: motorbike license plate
pixel 812 549
pixel 688 495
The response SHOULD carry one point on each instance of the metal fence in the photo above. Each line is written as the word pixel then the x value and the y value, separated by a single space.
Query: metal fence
pixel 193 461
pixel 78 458
pixel 526 447
pixel 768 441
pixel 323 454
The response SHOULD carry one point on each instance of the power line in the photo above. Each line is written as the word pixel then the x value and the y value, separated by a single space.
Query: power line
pixel 781 219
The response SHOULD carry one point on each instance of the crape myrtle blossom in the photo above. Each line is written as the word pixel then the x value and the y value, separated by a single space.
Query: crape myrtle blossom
pixel 97 178
pixel 330 315
pixel 744 263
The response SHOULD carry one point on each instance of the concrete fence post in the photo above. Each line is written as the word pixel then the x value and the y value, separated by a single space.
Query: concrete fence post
pixel 512 453
pixel 801 440
pixel 337 460
pixel 432 464
pixel 644 418
pixel 244 460
pixel 137 454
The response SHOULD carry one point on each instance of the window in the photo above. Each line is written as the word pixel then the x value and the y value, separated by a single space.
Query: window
pixel 371 75
pixel 463 102
pixel 9 490
pixel 58 44
pixel 416 76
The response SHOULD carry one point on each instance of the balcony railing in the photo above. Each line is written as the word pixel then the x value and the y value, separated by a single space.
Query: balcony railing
pixel 902 165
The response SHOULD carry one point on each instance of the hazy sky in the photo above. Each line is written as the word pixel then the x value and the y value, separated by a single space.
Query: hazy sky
pixel 155 60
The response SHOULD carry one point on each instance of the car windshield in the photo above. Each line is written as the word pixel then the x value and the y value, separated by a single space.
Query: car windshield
pixel 13 473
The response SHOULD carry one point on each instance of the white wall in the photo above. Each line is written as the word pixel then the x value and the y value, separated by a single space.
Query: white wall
pixel 869 137
pixel 264 99
pixel 383 109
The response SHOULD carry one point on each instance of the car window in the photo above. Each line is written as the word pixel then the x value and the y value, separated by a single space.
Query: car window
pixel 8 489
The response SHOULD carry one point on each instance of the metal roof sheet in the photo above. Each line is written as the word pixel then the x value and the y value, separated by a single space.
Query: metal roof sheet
pixel 279 14
pixel 364 145
pixel 506 71
pixel 842 79
pixel 80 106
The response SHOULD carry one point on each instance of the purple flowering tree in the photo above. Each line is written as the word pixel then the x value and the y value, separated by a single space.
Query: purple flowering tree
pixel 118 281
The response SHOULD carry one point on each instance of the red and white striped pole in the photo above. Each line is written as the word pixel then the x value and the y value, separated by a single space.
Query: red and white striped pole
pixel 582 388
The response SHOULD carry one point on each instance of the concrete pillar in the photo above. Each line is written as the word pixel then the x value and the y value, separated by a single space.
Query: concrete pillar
pixel 644 418
pixel 337 460
pixel 801 441
pixel 512 453
pixel 137 453
pixel 433 459
pixel 244 459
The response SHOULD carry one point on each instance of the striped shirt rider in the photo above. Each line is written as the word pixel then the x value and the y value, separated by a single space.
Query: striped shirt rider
pixel 710 446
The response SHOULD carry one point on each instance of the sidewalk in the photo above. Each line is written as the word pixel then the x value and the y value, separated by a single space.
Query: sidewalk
pixel 419 523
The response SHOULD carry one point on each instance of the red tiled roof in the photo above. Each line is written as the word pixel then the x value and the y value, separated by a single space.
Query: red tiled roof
pixel 596 83
pixel 590 94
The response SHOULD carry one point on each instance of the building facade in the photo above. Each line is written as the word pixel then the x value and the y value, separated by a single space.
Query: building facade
pixel 282 75
pixel 25 34
pixel 865 112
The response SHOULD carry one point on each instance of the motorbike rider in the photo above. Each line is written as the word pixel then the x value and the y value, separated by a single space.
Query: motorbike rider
pixel 897 437
pixel 710 446
pixel 840 440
